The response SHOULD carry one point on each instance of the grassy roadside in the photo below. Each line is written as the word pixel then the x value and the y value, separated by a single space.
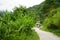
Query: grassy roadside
pixel 32 36
pixel 55 31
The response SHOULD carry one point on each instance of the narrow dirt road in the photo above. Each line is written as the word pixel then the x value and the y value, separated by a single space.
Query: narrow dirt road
pixel 46 35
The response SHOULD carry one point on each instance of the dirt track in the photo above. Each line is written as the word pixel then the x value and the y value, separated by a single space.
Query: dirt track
pixel 46 35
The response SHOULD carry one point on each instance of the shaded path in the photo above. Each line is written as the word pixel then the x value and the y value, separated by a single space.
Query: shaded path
pixel 46 35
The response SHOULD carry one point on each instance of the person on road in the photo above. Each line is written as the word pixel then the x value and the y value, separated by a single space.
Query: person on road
pixel 38 24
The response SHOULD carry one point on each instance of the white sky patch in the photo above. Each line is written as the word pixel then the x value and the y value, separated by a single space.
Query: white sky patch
pixel 9 4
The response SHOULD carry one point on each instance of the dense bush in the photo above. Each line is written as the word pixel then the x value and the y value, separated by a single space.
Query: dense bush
pixel 52 22
pixel 17 25
pixel 53 18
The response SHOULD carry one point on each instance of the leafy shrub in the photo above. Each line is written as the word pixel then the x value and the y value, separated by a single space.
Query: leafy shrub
pixel 52 19
pixel 17 25
pixel 52 22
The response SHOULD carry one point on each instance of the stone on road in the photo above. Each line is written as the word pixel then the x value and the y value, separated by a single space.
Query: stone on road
pixel 46 35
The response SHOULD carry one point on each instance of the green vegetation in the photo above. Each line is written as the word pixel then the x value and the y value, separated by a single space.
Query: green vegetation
pixel 49 15
pixel 52 22
pixel 17 25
